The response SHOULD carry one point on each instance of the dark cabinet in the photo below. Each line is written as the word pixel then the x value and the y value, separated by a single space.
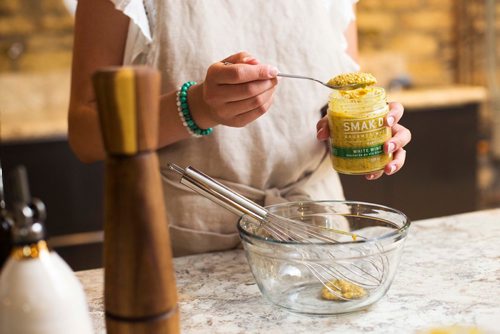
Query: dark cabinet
pixel 72 192
pixel 439 177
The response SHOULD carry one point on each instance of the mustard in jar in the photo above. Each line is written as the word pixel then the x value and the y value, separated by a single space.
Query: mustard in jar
pixel 357 129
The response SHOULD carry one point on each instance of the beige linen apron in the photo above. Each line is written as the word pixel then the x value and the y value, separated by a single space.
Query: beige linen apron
pixel 274 159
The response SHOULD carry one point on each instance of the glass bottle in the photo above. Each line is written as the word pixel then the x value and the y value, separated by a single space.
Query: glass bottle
pixel 5 226
pixel 358 131
pixel 39 293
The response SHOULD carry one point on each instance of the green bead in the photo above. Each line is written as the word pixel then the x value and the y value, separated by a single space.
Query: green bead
pixel 186 114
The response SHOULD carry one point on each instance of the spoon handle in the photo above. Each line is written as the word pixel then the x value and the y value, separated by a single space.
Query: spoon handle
pixel 294 76
pixel 302 77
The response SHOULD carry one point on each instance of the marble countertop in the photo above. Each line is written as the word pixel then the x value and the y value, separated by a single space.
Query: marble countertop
pixel 449 275
pixel 34 106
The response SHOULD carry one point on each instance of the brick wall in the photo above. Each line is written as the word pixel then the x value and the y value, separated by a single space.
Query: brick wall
pixel 436 42
pixel 35 35
pixel 414 37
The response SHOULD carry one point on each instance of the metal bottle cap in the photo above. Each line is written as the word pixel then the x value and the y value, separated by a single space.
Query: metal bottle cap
pixel 29 213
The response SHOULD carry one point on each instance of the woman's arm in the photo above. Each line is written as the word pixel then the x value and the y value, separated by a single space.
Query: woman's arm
pixel 100 35
pixel 233 95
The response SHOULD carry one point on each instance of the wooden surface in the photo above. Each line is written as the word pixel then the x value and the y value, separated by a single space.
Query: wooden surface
pixel 439 97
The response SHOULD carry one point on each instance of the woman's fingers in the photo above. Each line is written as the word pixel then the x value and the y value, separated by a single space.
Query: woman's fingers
pixel 398 160
pixel 240 107
pixel 395 113
pixel 322 129
pixel 238 92
pixel 401 136
pixel 241 57
pixel 238 73
pixel 245 118
pixel 238 89
pixel 374 176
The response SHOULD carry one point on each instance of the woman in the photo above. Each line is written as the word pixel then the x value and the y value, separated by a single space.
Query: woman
pixel 264 143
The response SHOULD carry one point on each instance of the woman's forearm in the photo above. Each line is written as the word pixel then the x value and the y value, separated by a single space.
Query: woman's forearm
pixel 84 134
pixel 171 128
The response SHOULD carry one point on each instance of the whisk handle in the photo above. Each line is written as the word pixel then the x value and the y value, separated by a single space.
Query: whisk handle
pixel 219 193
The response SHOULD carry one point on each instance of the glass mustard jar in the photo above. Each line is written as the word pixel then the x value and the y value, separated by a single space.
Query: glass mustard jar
pixel 357 130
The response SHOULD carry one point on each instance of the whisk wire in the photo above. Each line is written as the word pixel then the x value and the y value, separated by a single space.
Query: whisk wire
pixel 367 273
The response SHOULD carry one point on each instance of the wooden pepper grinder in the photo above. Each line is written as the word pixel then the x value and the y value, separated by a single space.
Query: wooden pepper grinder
pixel 139 291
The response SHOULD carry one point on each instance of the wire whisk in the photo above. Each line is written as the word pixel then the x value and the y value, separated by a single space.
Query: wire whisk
pixel 363 274
pixel 270 225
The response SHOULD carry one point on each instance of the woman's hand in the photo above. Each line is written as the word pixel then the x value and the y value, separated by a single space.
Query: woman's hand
pixel 401 136
pixel 234 94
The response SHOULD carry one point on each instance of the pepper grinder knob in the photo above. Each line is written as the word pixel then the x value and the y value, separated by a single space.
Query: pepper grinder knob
pixel 29 213
pixel 128 104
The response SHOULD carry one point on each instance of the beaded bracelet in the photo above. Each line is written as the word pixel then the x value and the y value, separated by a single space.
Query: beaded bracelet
pixel 185 114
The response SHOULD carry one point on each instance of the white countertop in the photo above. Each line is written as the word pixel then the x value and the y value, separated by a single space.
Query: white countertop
pixel 449 275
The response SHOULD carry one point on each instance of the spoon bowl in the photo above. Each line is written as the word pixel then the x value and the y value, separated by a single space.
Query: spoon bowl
pixel 344 87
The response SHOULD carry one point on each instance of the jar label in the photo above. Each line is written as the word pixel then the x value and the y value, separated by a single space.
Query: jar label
pixel 358 131
pixel 357 152
pixel 365 132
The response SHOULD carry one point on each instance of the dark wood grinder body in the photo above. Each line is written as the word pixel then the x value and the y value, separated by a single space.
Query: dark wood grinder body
pixel 139 291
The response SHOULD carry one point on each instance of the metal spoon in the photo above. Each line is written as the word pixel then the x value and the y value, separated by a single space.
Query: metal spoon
pixel 346 87
pixel 294 76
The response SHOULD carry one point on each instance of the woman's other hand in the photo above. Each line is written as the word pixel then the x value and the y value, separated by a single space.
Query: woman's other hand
pixel 234 94
pixel 401 136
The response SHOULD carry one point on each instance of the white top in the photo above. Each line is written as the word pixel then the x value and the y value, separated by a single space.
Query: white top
pixel 140 38
pixel 275 158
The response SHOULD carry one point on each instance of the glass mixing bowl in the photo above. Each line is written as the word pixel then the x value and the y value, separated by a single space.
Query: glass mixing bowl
pixel 293 274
